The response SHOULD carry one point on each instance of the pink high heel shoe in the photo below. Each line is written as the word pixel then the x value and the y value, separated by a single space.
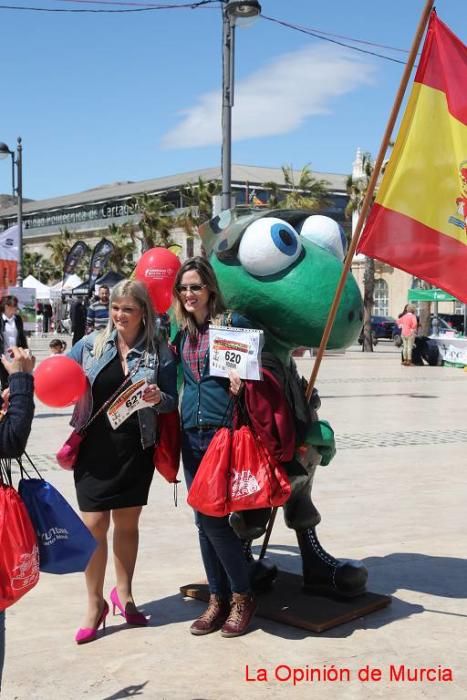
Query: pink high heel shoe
pixel 88 634
pixel 135 618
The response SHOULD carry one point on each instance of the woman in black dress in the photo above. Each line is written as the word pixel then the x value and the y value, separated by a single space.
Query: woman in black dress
pixel 115 468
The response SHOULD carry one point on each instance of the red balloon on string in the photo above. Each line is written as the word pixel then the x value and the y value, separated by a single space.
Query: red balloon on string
pixel 157 269
pixel 59 381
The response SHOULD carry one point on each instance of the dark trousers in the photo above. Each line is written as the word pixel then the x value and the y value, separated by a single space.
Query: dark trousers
pixel 221 549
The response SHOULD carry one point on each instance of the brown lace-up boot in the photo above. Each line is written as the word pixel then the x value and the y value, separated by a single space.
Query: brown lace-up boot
pixel 242 610
pixel 213 617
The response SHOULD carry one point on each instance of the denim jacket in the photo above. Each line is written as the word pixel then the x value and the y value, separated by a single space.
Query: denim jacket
pixel 158 368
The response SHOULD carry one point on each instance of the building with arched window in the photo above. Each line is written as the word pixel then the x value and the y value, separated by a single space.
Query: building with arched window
pixel 381 297
pixel 391 285
pixel 392 288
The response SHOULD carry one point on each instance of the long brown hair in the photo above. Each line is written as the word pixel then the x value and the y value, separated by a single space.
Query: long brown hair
pixel 216 304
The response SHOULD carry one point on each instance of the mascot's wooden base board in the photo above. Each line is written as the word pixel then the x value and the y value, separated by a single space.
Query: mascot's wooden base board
pixel 289 604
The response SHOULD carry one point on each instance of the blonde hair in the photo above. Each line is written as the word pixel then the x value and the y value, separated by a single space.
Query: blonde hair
pixel 410 308
pixel 216 304
pixel 138 292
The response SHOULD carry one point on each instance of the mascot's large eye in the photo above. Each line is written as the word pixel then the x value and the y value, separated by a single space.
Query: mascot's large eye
pixel 268 246
pixel 326 233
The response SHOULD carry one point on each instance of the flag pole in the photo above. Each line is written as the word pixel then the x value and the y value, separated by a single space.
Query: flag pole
pixel 371 187
pixel 361 219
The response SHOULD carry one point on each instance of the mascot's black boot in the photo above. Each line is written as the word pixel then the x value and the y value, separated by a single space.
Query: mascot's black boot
pixel 262 572
pixel 325 575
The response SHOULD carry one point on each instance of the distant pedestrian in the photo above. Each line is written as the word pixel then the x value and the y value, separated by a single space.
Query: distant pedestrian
pixel 47 314
pixel 78 320
pixel 408 324
pixel 98 312
pixel 11 331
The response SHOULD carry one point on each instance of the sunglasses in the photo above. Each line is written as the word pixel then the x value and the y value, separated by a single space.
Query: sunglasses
pixel 195 288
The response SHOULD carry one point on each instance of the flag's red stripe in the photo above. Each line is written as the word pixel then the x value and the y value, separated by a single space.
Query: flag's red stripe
pixel 422 251
pixel 443 66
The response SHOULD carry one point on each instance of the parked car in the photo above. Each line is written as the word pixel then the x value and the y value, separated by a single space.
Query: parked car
pixel 382 328
pixel 454 321
pixel 443 324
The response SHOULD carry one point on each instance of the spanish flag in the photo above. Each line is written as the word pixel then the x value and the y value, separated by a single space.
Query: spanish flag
pixel 419 219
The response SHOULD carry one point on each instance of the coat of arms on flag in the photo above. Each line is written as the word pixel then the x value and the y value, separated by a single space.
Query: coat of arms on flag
pixel 418 220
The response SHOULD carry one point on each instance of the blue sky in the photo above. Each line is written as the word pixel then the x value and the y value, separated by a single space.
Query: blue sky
pixel 100 98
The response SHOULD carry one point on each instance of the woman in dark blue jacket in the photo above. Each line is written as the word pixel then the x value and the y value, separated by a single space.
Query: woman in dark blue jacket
pixel 205 405
pixel 15 426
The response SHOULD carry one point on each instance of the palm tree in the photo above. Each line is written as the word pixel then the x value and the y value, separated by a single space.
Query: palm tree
pixel 198 200
pixel 42 268
pixel 199 196
pixel 59 247
pixel 156 223
pixel 123 239
pixel 306 193
pixel 274 194
pixel 356 189
pixel 425 311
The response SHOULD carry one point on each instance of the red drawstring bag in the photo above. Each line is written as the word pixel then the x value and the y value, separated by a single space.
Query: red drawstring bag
pixel 166 455
pixel 19 553
pixel 208 492
pixel 237 473
pixel 256 480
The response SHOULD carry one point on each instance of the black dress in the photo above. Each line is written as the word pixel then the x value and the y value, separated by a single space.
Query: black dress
pixel 113 470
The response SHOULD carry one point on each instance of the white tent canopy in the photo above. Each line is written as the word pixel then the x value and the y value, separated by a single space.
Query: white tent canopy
pixel 42 291
pixel 70 282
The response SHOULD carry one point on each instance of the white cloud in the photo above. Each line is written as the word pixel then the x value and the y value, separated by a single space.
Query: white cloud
pixel 275 99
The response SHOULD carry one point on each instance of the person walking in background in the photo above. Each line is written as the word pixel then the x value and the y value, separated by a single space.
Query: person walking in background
pixel 205 408
pixel 114 469
pixel 408 324
pixel 78 319
pixel 98 312
pixel 11 331
pixel 47 314
pixel 15 426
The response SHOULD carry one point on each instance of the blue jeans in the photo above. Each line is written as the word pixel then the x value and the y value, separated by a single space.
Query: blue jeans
pixel 221 550
pixel 2 643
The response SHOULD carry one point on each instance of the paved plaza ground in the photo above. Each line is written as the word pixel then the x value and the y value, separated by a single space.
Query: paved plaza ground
pixel 395 496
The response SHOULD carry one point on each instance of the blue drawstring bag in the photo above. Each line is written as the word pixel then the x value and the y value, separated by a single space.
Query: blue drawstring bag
pixel 65 543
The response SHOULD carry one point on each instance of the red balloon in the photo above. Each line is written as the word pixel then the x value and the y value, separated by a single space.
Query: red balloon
pixel 59 381
pixel 157 269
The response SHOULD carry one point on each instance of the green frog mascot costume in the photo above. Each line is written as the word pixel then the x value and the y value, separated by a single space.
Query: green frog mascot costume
pixel 280 269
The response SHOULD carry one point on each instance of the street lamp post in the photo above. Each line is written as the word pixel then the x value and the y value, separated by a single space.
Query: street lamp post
pixel 17 188
pixel 232 11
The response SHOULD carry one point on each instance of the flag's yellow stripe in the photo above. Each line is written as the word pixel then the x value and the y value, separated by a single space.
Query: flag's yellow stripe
pixel 422 178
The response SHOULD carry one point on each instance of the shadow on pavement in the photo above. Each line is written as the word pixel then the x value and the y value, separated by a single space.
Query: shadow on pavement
pixel 129 692
pixel 439 576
